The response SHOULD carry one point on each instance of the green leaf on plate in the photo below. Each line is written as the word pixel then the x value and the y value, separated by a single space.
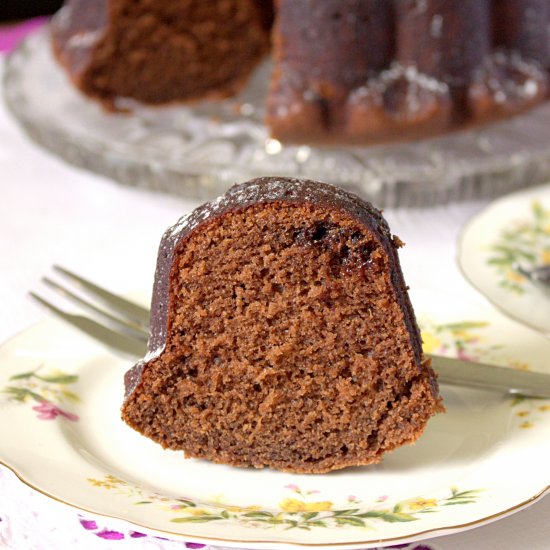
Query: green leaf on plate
pixel 356 522
pixel 393 517
pixel 317 523
pixel 258 515
pixel 22 376
pixel 374 514
pixel 196 519
pixel 189 503
pixel 59 379
pixel 348 512
pixel 70 395
pixel 21 394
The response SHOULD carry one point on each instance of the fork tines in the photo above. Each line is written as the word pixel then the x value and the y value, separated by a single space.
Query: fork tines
pixel 119 323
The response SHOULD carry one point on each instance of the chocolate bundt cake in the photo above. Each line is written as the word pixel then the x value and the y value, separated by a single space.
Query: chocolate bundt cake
pixel 345 71
pixel 282 334
pixel 400 69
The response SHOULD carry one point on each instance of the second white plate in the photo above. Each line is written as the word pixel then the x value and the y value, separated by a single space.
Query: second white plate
pixel 510 231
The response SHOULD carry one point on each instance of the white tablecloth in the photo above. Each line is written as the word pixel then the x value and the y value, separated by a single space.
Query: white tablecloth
pixel 51 212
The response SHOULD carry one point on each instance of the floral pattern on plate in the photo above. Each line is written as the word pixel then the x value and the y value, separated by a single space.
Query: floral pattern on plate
pixel 472 340
pixel 525 242
pixel 512 231
pixel 48 389
pixel 106 470
pixel 303 510
pixel 530 411
pixel 468 340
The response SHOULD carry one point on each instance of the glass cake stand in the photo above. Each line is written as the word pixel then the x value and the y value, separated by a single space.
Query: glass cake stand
pixel 199 151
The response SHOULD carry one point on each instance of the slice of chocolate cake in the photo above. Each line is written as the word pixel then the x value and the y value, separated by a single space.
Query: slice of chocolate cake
pixel 282 334
pixel 161 51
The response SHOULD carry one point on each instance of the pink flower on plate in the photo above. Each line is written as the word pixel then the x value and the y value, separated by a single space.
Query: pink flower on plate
pixel 461 354
pixel 49 411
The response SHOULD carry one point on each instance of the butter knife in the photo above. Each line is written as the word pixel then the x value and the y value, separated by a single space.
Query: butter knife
pixel 458 372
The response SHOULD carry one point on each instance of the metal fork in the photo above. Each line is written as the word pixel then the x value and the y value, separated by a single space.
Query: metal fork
pixel 539 276
pixel 123 327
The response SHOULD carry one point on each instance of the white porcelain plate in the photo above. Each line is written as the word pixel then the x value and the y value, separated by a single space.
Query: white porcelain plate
pixel 486 457
pixel 512 231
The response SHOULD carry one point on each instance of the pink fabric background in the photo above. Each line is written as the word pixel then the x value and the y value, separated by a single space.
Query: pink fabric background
pixel 11 35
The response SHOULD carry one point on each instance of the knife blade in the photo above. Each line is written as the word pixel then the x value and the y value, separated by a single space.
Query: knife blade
pixel 458 372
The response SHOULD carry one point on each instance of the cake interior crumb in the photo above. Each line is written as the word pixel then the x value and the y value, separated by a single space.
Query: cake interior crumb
pixel 286 346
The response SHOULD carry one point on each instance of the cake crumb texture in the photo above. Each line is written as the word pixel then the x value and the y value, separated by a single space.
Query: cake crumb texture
pixel 289 343
pixel 159 52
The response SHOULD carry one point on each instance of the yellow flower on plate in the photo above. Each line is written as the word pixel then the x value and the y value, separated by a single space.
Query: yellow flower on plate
pixel 241 509
pixel 95 482
pixel 545 256
pixel 422 503
pixel 295 505
pixel 526 425
pixel 102 483
pixel 197 512
pixel 114 479
pixel 514 276
pixel 519 365
pixel 430 343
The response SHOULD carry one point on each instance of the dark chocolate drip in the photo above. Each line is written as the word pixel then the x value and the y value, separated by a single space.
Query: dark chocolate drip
pixel 523 26
pixel 446 40
pixel 362 27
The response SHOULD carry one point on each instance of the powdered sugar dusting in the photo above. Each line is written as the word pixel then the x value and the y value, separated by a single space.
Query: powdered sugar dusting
pixel 401 92
pixel 436 26
pixel 509 79
pixel 84 39
pixel 63 18
pixel 180 225
pixel 410 74
pixel 263 190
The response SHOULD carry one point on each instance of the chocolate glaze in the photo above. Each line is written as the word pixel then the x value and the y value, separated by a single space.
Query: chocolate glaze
pixel 523 26
pixel 345 71
pixel 363 27
pixel 445 40
pixel 313 79
pixel 402 69
pixel 76 30
pixel 267 190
